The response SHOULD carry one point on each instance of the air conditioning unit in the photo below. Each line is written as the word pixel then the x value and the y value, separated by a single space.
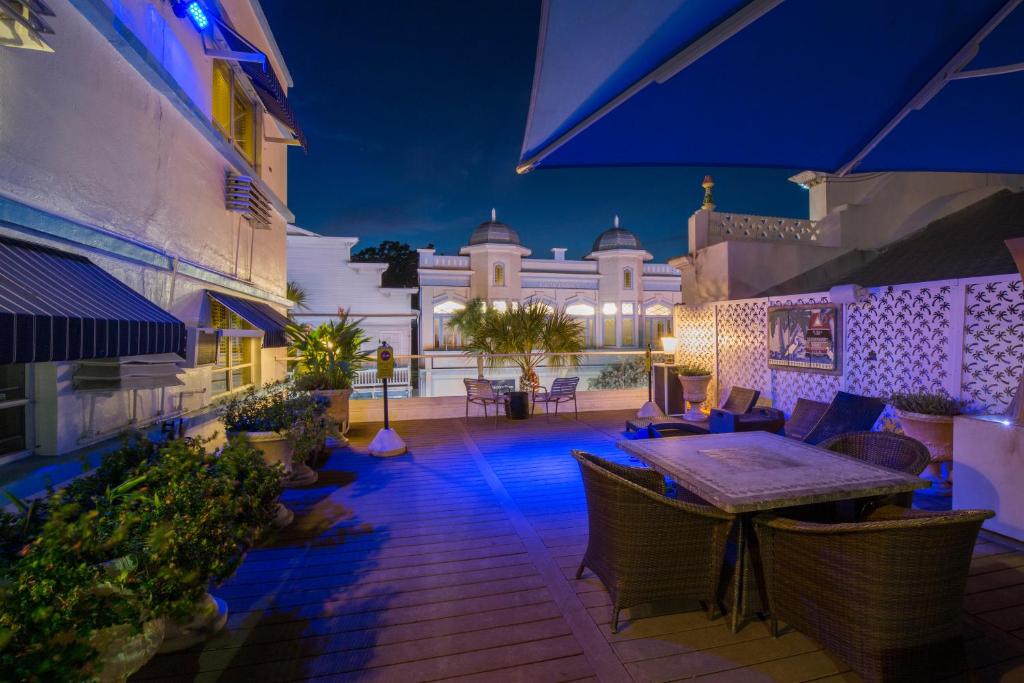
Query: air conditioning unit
pixel 201 346
pixel 244 197
pixel 22 24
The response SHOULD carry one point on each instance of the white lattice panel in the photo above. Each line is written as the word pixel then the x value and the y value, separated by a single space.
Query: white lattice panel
pixel 743 346
pixel 993 344
pixel 899 340
pixel 695 329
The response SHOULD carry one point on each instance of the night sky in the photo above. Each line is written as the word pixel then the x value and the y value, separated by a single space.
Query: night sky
pixel 415 112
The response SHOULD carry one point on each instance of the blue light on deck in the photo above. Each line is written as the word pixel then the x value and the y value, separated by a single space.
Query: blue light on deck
pixel 198 16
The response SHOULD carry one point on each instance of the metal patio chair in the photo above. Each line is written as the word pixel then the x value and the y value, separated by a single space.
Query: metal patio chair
pixel 481 392
pixel 563 390
pixel 644 546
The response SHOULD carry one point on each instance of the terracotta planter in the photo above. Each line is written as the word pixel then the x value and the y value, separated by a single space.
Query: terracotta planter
pixel 208 617
pixel 122 652
pixel 936 433
pixel 338 408
pixel 695 392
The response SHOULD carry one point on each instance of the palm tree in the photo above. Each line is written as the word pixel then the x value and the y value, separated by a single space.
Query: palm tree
pixel 297 295
pixel 524 333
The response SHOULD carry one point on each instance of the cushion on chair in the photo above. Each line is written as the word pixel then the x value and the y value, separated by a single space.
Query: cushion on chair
pixel 846 413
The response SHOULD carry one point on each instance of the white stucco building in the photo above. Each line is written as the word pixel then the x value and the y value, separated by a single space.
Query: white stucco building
pixel 622 299
pixel 155 146
pixel 322 266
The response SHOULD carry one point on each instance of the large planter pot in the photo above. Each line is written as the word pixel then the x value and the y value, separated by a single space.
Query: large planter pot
pixel 936 433
pixel 275 446
pixel 122 652
pixel 209 616
pixel 338 407
pixel 695 392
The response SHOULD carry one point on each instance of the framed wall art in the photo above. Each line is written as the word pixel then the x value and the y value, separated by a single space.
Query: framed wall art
pixel 804 337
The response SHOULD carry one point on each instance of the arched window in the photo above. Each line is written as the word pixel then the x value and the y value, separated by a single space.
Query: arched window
pixel 627 278
pixel 499 274
pixel 585 314
pixel 657 322
pixel 446 336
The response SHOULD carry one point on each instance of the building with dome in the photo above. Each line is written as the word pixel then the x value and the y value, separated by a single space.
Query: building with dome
pixel 623 300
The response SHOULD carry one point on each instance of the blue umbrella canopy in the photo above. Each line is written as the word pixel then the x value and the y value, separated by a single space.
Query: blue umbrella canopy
pixel 836 86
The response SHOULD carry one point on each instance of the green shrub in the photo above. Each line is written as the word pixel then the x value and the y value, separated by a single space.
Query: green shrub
pixel 310 425
pixel 926 403
pixel 691 370
pixel 628 374
pixel 114 553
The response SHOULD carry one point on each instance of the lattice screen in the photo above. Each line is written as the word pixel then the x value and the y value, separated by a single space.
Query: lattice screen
pixel 993 344
pixel 743 346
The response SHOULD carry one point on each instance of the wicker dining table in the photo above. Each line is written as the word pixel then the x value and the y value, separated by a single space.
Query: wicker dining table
pixel 745 473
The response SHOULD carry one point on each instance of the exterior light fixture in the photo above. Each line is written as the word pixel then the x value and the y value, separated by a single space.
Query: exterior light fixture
pixel 195 12
pixel 669 344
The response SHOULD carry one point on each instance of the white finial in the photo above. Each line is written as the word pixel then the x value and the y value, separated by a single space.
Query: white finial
pixel 494 215
pixel 616 224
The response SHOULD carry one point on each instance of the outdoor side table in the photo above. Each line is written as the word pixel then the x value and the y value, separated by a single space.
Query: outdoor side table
pixel 749 472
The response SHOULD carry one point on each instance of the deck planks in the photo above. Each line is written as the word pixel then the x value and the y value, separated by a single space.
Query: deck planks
pixel 457 562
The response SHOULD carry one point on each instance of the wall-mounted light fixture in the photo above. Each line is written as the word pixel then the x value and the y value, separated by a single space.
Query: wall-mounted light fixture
pixel 848 294
pixel 194 11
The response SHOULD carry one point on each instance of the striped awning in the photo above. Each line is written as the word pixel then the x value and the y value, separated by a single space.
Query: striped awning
pixel 259 315
pixel 57 306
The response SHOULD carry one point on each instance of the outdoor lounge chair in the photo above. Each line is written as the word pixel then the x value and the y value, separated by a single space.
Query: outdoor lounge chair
pixel 740 400
pixel 846 413
pixel 481 392
pixel 563 390
pixel 887 449
pixel 758 419
pixel 645 547
pixel 885 595
pixel 804 417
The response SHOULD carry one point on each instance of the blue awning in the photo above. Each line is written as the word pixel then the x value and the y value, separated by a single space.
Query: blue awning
pixel 56 306
pixel 259 315
pixel 264 81
pixel 840 86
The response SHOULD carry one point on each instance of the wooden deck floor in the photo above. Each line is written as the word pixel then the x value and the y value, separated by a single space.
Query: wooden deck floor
pixel 457 561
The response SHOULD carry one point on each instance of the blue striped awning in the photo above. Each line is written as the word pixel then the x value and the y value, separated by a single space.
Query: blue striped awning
pixel 56 306
pixel 259 315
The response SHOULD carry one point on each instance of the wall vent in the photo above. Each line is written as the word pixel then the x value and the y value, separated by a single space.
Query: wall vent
pixel 242 196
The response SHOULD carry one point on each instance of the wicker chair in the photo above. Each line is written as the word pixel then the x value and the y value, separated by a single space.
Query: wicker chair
pixel 644 546
pixel 563 390
pixel 886 449
pixel 804 417
pixel 846 413
pixel 885 595
pixel 481 392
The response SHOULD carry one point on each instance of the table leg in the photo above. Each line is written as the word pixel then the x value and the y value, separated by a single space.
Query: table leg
pixel 737 576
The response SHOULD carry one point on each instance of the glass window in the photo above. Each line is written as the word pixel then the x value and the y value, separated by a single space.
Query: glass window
pixel 608 335
pixel 448 307
pixel 14 407
pixel 627 331
pixel 234 368
pixel 499 274
pixel 658 309
pixel 656 328
pixel 446 336
pixel 233 111
pixel 627 278
pixel 609 308
pixel 627 308
pixel 579 309
pixel 499 305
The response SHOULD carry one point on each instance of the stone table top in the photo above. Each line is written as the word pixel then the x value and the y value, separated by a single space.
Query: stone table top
pixel 753 471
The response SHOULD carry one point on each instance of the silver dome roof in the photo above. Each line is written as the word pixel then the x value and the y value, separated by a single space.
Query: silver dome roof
pixel 493 232
pixel 616 237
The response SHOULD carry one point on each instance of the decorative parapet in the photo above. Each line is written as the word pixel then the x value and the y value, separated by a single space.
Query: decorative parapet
pixel 732 226
pixel 712 227
pixel 429 260
pixel 660 269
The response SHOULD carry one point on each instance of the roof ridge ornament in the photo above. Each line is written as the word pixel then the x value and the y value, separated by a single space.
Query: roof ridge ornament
pixel 494 215
pixel 709 200
pixel 615 223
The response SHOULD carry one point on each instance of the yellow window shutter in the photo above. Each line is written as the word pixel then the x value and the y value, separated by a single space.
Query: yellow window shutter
pixel 222 96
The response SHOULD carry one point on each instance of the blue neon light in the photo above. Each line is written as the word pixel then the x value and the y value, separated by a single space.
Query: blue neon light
pixel 198 16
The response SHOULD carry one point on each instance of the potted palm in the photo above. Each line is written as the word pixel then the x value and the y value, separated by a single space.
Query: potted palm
pixel 327 358
pixel 694 379
pixel 928 417
pixel 521 336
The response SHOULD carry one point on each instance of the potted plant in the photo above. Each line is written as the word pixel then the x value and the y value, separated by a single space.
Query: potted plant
pixel 694 379
pixel 521 336
pixel 928 417
pixel 327 358
pixel 309 430
pixel 262 416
